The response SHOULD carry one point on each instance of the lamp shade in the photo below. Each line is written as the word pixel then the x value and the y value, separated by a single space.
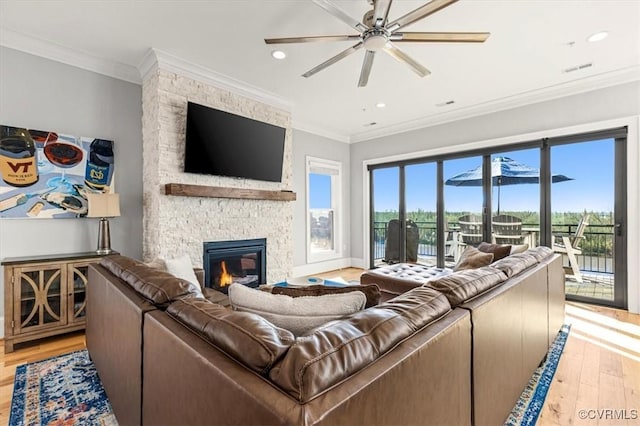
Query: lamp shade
pixel 103 205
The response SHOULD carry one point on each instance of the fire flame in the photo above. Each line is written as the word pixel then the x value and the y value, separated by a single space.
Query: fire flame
pixel 225 277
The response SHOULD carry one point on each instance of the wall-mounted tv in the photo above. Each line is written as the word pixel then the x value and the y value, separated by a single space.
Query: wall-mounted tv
pixel 224 144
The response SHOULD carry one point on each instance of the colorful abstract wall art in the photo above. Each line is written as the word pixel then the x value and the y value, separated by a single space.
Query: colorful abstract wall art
pixel 45 174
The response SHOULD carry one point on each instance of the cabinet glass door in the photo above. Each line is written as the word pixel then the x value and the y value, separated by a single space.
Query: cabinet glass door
pixel 39 298
pixel 77 292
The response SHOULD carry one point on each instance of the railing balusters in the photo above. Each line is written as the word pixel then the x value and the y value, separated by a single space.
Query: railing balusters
pixel 597 246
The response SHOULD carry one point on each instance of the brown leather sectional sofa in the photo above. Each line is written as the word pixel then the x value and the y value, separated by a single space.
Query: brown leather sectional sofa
pixel 166 357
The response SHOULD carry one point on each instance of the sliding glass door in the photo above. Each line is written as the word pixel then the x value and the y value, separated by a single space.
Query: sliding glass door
pixel 566 193
pixel 421 201
pixel 463 205
pixel 587 218
pixel 385 216
pixel 404 214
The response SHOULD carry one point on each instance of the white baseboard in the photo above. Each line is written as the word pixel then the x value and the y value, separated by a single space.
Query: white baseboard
pixel 316 268
pixel 358 263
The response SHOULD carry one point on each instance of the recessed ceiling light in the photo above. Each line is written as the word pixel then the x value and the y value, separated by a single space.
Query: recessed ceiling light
pixel 278 54
pixel 601 35
pixel 381 105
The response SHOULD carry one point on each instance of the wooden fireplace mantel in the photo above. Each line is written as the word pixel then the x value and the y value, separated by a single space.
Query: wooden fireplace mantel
pixel 186 190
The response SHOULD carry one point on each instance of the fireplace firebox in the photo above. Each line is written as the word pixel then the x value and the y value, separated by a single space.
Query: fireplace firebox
pixel 228 262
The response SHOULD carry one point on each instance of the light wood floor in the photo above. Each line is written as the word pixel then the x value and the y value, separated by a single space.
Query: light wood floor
pixel 599 369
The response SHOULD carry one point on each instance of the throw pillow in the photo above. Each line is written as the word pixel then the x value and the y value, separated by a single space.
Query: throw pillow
pixel 499 250
pixel 371 291
pixel 520 248
pixel 473 258
pixel 298 314
pixel 181 267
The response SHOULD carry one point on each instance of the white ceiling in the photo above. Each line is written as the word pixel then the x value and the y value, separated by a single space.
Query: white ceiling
pixel 531 42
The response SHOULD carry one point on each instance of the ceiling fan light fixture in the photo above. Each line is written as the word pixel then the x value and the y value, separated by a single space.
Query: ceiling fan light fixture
pixel 600 35
pixel 278 54
pixel 375 41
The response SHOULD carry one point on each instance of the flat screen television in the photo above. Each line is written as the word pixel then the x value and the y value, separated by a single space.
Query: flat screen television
pixel 224 144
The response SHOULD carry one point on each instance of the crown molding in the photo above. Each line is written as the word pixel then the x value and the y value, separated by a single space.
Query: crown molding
pixel 318 131
pixel 65 55
pixel 172 63
pixel 575 87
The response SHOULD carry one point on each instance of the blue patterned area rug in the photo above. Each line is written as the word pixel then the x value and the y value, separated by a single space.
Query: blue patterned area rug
pixel 528 407
pixel 64 390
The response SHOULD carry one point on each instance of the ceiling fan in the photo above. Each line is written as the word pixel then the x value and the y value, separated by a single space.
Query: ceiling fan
pixel 376 33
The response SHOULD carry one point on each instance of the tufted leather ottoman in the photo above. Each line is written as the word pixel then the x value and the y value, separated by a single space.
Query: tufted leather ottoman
pixel 399 278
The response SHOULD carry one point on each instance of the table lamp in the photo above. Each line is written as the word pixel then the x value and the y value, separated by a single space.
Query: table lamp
pixel 103 206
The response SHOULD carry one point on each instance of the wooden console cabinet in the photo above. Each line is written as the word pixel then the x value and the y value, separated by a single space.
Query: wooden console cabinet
pixel 44 295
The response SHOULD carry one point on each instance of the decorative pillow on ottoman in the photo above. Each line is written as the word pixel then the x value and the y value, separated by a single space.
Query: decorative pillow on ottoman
pixel 473 258
pixel 298 314
pixel 371 291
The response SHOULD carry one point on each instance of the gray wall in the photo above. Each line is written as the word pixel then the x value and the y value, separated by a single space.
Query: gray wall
pixel 43 94
pixel 307 144
pixel 599 105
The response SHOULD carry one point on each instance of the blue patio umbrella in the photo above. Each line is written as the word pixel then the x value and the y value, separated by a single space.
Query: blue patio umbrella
pixel 504 171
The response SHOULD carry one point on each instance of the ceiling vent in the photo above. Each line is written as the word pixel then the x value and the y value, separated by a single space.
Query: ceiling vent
pixel 578 67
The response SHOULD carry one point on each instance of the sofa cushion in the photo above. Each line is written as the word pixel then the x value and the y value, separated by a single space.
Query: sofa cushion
pixel 515 263
pixel 466 284
pixel 295 314
pixel 371 291
pixel 541 252
pixel 247 337
pixel 473 258
pixel 499 251
pixel 159 287
pixel 331 353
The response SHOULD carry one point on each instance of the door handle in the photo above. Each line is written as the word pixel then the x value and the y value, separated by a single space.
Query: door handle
pixel 618 227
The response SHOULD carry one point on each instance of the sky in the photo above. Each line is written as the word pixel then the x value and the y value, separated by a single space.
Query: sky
pixel 589 164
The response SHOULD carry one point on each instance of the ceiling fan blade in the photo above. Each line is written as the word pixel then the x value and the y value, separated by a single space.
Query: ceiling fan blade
pixel 341 14
pixel 380 12
pixel 423 11
pixel 440 37
pixel 333 60
pixel 308 39
pixel 400 56
pixel 366 68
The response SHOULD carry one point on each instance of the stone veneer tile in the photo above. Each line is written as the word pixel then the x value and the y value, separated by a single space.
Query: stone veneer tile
pixel 176 225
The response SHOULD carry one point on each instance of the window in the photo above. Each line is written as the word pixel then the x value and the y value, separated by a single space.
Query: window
pixel 324 180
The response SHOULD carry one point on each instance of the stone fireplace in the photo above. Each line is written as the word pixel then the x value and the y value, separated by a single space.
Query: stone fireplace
pixel 234 262
pixel 176 225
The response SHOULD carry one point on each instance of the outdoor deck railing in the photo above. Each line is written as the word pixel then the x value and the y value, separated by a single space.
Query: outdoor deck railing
pixel 597 246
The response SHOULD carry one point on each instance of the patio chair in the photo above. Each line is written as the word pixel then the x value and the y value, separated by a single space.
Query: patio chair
pixel 451 242
pixel 470 233
pixel 507 229
pixel 570 245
